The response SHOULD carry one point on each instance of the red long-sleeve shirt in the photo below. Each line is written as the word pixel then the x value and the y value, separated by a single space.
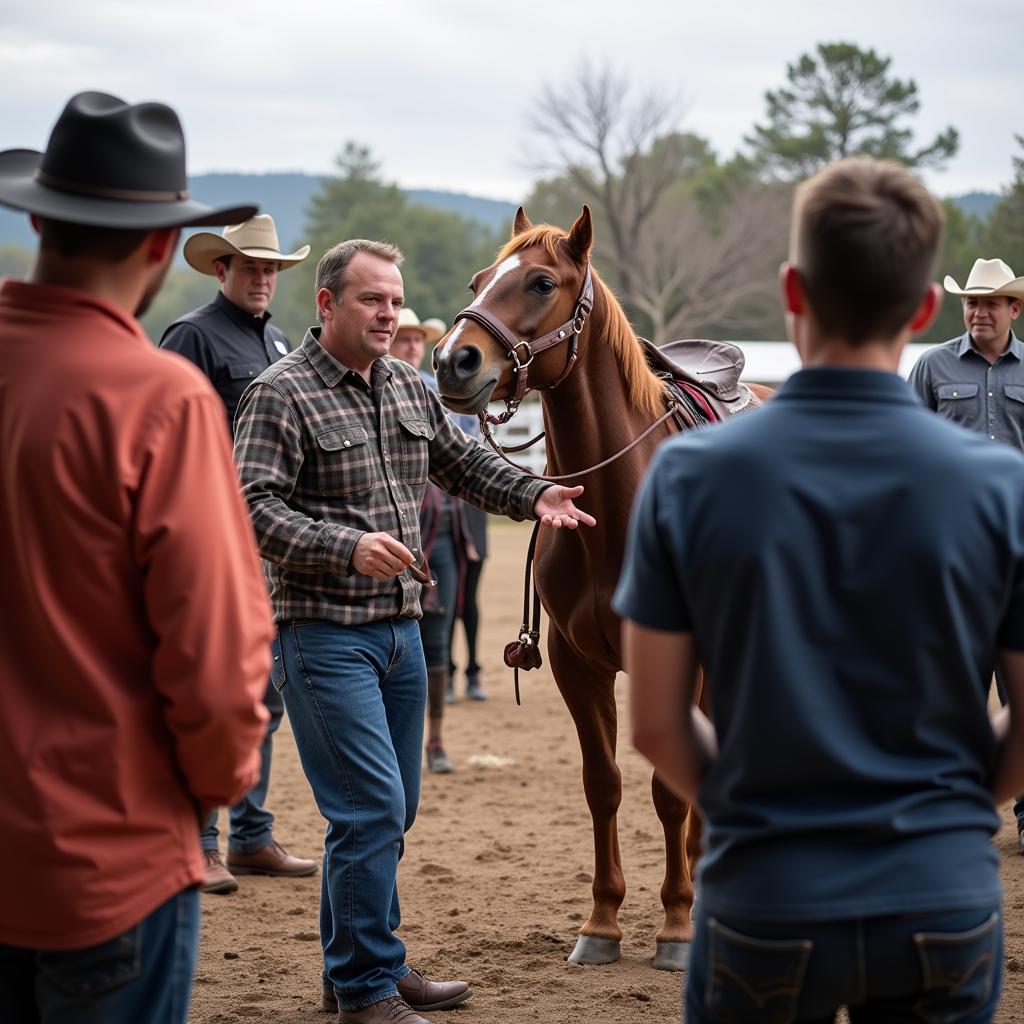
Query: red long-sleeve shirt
pixel 134 623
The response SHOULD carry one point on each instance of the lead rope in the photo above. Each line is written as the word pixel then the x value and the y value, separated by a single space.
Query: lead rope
pixel 674 409
pixel 524 653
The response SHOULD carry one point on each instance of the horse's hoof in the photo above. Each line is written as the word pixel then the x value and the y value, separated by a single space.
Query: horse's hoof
pixel 672 956
pixel 592 950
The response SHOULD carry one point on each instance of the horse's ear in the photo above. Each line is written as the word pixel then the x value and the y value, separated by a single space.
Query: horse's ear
pixel 521 223
pixel 581 237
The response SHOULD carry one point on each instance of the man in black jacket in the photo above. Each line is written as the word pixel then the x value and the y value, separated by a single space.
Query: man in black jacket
pixel 232 341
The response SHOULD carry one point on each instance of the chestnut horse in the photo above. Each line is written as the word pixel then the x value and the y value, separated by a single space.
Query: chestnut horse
pixel 599 395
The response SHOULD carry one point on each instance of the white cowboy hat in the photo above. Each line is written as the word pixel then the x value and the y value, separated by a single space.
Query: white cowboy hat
pixel 432 328
pixel 988 277
pixel 256 237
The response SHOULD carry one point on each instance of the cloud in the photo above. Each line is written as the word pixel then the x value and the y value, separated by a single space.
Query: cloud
pixel 441 91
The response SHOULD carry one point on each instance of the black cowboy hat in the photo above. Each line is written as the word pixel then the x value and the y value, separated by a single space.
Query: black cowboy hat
pixel 110 164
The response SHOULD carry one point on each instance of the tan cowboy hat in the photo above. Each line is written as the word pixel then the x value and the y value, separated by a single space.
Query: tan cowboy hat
pixel 432 327
pixel 988 277
pixel 256 237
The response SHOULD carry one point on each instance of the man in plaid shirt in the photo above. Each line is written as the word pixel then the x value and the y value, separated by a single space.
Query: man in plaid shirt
pixel 334 444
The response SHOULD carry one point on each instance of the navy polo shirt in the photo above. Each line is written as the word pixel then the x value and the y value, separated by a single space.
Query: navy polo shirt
pixel 232 347
pixel 849 564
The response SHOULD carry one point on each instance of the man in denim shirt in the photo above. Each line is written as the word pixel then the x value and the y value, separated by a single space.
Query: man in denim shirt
pixel 847 566
pixel 977 379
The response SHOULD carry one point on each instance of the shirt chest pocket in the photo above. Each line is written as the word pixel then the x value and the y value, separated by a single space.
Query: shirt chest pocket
pixel 345 466
pixel 1015 402
pixel 959 402
pixel 413 453
pixel 241 373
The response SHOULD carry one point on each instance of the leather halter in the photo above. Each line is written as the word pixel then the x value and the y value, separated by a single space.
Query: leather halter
pixel 523 351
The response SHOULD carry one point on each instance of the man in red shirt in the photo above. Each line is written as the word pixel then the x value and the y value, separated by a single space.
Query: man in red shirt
pixel 135 632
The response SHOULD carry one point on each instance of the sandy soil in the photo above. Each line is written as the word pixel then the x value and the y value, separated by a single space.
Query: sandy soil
pixel 496 877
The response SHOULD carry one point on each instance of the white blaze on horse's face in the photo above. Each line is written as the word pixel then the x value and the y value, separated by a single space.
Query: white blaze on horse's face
pixel 503 268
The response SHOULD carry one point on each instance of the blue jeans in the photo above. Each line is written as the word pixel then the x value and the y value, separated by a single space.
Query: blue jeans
pixel 436 627
pixel 931 967
pixel 251 822
pixel 143 975
pixel 355 697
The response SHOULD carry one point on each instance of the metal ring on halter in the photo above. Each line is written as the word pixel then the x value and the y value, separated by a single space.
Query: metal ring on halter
pixel 515 356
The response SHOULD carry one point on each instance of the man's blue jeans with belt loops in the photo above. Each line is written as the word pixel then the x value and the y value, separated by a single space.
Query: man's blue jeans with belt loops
pixel 355 697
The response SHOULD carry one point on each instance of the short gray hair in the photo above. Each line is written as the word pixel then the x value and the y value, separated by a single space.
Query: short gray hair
pixel 330 271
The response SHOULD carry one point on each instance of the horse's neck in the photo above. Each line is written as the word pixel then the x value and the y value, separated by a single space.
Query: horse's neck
pixel 589 416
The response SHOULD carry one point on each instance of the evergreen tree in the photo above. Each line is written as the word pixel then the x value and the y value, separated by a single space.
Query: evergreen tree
pixel 442 250
pixel 839 102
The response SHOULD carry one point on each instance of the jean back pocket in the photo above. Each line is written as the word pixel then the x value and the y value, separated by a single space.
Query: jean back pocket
pixel 959 970
pixel 97 969
pixel 754 979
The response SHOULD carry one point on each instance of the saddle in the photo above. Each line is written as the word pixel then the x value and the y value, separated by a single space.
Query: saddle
pixel 713 368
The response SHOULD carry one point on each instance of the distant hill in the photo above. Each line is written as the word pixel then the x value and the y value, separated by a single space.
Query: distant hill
pixel 285 197
pixel 977 204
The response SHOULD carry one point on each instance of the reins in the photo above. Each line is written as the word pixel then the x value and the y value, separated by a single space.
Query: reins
pixel 673 409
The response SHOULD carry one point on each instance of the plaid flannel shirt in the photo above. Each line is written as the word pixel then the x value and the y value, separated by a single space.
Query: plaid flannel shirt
pixel 325 457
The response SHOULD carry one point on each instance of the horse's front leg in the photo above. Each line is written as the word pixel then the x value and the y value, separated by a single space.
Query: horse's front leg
pixel 590 697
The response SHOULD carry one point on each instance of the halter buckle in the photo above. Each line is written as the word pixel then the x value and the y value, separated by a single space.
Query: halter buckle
pixel 513 352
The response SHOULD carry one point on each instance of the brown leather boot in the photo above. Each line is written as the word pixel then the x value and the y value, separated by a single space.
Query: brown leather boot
pixel 422 994
pixel 218 879
pixel 418 992
pixel 393 1010
pixel 272 859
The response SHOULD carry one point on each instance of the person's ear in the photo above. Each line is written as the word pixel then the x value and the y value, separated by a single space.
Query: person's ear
pixel 161 244
pixel 1016 305
pixel 791 289
pixel 927 309
pixel 220 268
pixel 325 304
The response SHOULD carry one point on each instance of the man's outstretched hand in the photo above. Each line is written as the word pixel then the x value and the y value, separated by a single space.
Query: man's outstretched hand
pixel 555 508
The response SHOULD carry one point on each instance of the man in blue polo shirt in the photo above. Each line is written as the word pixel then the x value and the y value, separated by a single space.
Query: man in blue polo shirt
pixel 847 567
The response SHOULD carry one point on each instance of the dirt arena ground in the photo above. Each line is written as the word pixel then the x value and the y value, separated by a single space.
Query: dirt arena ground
pixel 496 878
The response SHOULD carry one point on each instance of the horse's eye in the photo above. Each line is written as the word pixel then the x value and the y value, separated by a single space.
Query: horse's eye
pixel 470 288
pixel 543 286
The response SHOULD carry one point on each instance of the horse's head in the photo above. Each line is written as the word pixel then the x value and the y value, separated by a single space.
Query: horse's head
pixel 528 311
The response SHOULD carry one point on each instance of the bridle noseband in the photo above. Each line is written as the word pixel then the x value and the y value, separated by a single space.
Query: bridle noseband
pixel 523 351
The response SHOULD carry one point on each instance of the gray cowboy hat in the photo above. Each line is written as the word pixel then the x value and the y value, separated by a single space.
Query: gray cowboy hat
pixel 110 164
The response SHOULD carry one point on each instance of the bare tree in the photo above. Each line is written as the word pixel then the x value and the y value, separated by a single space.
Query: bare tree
pixel 666 256
pixel 602 140
pixel 690 274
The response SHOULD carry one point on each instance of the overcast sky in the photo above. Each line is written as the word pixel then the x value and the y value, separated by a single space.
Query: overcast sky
pixel 441 89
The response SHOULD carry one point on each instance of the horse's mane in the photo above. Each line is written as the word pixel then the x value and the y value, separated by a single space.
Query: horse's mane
pixel 645 390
